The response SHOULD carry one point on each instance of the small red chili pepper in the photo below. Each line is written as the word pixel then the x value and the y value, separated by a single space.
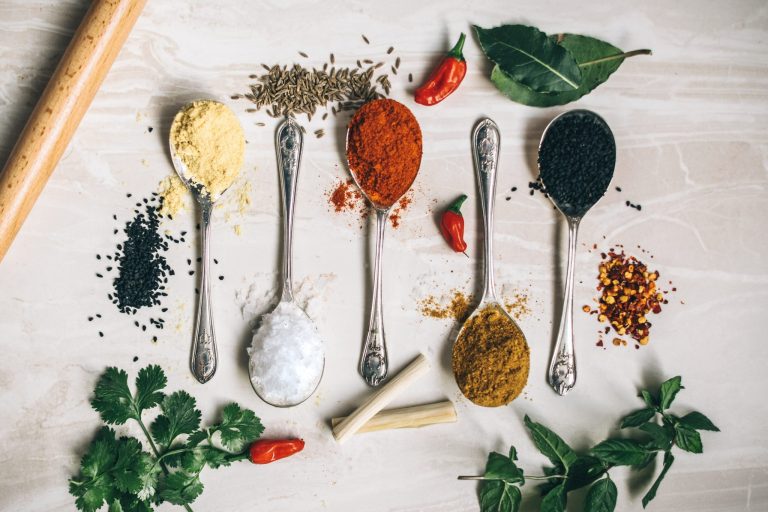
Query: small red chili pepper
pixel 445 78
pixel 452 225
pixel 265 451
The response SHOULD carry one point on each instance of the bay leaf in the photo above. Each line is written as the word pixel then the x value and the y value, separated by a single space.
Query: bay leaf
pixel 530 57
pixel 584 49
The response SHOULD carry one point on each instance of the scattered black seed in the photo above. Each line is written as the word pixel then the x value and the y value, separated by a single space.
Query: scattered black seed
pixel 508 198
pixel 366 39
pixel 618 189
pixel 221 278
pixel 114 232
pixel 304 55
pixel 199 259
pixel 99 275
pixel 154 338
pixel 576 158
pixel 101 334
pixel 143 327
pixel 215 261
pixel 98 257
pixel 391 49
pixel 150 129
pixel 109 269
pixel 191 272
pixel 514 189
pixel 164 310
pixel 135 358
pixel 109 257
pixel 189 261
pixel 90 319
pixel 410 77
pixel 136 323
pixel 98 315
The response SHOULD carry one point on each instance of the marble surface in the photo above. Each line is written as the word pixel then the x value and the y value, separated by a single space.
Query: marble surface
pixel 690 124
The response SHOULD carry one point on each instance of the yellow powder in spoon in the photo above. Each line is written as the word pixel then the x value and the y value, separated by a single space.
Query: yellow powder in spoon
pixel 208 138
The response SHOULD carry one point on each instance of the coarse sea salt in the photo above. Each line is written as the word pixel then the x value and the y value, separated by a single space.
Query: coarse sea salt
pixel 286 356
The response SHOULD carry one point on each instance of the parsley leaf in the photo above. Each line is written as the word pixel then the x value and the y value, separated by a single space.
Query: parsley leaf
pixel 149 387
pixel 95 484
pixel 181 488
pixel 238 427
pixel 112 398
pixel 179 417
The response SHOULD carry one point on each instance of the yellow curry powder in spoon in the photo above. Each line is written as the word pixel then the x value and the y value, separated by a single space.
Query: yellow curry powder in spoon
pixel 209 140
pixel 491 358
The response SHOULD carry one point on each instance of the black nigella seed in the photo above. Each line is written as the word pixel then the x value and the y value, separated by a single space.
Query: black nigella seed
pixel 101 334
pixel 189 261
pixel 90 319
pixel 98 315
pixel 215 261
pixel 199 260
pixel 221 278
pixel 183 233
pixel 514 189
pixel 618 189
pixel 98 256
pixel 154 338
pixel 164 310
pixel 191 272
pixel 143 327
pixel 128 194
pixel 136 323
pixel 99 275
pixel 135 358
pixel 109 269
pixel 150 129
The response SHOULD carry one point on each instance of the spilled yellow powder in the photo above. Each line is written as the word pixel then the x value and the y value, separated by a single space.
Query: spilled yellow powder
pixel 174 195
pixel 209 140
pixel 244 197
pixel 238 229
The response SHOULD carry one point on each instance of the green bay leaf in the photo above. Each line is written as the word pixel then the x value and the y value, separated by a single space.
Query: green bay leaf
pixel 584 49
pixel 530 57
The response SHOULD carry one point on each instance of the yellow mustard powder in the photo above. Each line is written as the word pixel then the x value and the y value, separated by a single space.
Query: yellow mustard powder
pixel 174 195
pixel 208 138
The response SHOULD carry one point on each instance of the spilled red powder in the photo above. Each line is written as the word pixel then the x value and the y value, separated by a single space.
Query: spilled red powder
pixel 397 212
pixel 346 197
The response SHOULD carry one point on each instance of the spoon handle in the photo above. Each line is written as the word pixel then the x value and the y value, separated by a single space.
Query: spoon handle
pixel 373 361
pixel 485 149
pixel 562 368
pixel 204 355
pixel 289 143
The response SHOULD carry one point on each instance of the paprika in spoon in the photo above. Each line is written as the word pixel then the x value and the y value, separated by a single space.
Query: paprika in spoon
pixel 445 78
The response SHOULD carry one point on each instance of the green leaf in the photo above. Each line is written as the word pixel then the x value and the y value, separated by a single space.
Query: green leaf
pixel 180 488
pixel 668 460
pixel 129 465
pixel 555 500
pixel 196 438
pixel 112 398
pixel 94 485
pixel 637 418
pixel 698 421
pixel 649 399
pixel 149 387
pixel 584 471
pixel 551 445
pixel 661 437
pixel 688 439
pixel 621 452
pixel 584 49
pixel 530 58
pixel 498 496
pixel 116 506
pixel 602 496
pixel 501 467
pixel 179 417
pixel 238 427
pixel 669 390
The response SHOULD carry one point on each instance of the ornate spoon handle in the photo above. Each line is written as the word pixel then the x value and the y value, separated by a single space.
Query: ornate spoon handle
pixel 204 356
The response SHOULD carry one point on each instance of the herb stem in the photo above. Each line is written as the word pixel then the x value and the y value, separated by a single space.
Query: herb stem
pixel 617 56
pixel 527 477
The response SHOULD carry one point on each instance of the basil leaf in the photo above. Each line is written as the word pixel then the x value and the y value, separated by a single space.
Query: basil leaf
pixel 584 49
pixel 602 496
pixel 669 390
pixel 621 452
pixel 583 472
pixel 498 496
pixel 501 467
pixel 530 58
pixel 698 421
pixel 551 445
pixel 649 399
pixel 668 460
pixel 688 439
pixel 555 500
pixel 637 418
pixel 661 437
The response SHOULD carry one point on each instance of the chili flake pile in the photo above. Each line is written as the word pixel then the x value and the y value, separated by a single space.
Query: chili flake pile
pixel 629 294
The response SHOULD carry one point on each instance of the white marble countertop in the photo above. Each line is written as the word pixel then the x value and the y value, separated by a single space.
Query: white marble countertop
pixel 690 124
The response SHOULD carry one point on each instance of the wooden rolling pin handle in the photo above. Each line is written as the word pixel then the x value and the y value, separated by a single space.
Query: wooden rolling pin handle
pixel 62 106
pixel 381 398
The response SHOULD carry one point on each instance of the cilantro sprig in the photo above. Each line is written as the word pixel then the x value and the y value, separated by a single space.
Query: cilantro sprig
pixel 119 473
pixel 660 431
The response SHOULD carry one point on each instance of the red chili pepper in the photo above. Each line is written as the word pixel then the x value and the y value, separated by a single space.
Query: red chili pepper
pixel 445 78
pixel 452 226
pixel 265 451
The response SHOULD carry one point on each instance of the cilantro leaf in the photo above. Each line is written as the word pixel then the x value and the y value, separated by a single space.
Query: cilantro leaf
pixel 238 427
pixel 551 445
pixel 602 496
pixel 112 398
pixel 179 417
pixel 668 460
pixel 116 506
pixel 638 417
pixel 669 390
pixel 621 452
pixel 94 486
pixel 698 421
pixel 180 488
pixel 688 439
pixel 499 496
pixel 149 387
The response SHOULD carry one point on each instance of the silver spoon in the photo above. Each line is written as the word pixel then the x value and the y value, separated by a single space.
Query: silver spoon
pixel 562 368
pixel 204 357
pixel 373 360
pixel 486 140
pixel 288 145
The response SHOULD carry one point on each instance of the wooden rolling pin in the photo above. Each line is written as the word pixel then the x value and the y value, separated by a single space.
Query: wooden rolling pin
pixel 61 108
pixel 380 399
pixel 408 417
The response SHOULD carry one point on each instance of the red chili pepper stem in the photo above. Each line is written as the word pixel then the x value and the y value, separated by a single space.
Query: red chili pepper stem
pixel 456 51
pixel 456 205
